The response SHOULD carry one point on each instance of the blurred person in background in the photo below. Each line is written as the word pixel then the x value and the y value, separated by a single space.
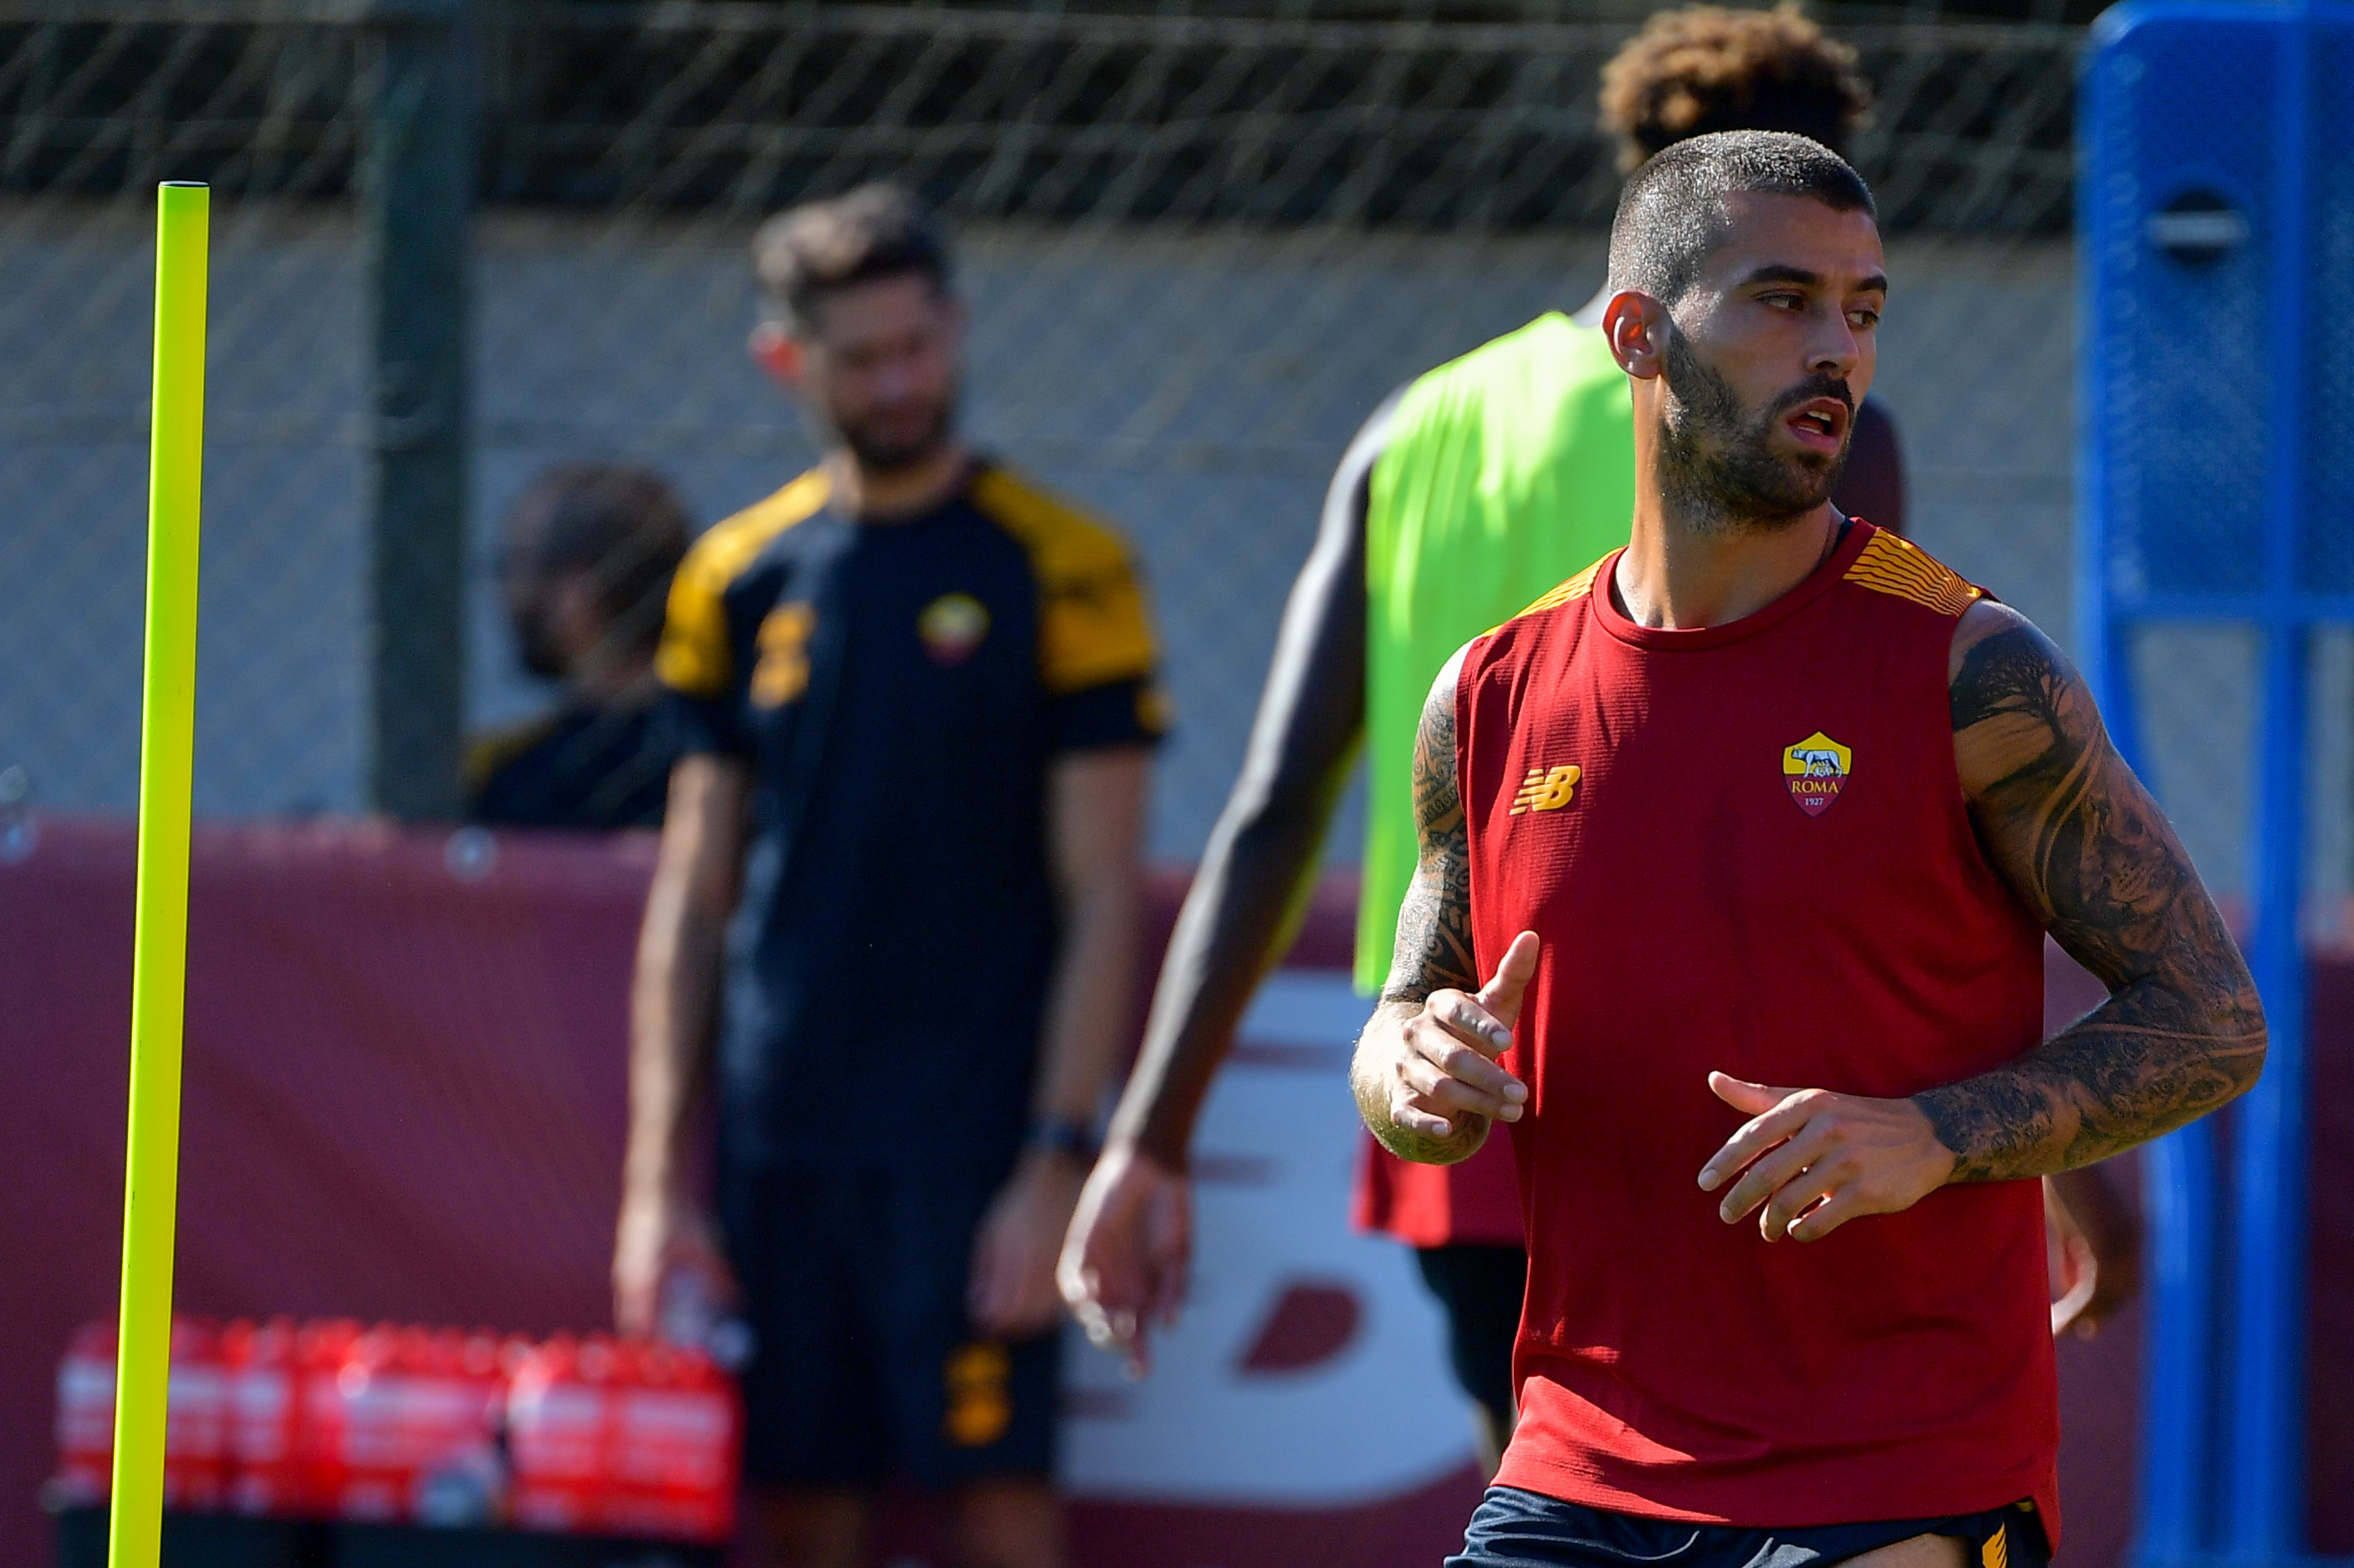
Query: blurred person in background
pixel 918 704
pixel 1467 494
pixel 584 568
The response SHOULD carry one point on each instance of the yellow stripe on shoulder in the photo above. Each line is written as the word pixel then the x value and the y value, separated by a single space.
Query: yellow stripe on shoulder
pixel 1895 566
pixel 1576 587
pixel 1094 626
pixel 694 657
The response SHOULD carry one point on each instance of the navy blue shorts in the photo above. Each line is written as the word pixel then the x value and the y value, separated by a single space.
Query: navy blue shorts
pixel 864 1367
pixel 1514 1529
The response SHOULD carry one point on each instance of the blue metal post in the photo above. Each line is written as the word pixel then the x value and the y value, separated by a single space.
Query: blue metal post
pixel 2174 1519
pixel 2265 1479
pixel 2175 1516
pixel 2178 1350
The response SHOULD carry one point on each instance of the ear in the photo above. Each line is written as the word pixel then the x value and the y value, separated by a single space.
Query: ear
pixel 779 353
pixel 1636 326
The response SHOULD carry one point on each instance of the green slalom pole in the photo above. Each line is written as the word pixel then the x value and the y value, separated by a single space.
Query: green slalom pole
pixel 159 962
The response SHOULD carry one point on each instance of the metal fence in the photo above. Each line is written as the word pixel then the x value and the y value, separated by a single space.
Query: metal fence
pixel 1199 248
pixel 1019 114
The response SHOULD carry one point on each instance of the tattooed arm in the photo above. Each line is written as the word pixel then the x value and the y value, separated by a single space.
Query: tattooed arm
pixel 2077 837
pixel 2082 842
pixel 1426 1075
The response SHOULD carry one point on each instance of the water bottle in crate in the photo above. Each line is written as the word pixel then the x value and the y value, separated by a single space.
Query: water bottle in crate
pixel 411 1413
pixel 558 1418
pixel 319 1469
pixel 195 1427
pixel 267 1473
pixel 195 1454
pixel 675 1433
pixel 85 1419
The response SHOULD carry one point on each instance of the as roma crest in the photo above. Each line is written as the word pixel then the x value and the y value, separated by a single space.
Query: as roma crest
pixel 1815 770
pixel 951 626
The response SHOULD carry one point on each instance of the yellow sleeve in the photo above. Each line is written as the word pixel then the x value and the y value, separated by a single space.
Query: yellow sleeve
pixel 694 656
pixel 1095 627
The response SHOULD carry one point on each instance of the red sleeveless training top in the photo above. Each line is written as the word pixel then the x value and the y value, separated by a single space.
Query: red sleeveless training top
pixel 1745 848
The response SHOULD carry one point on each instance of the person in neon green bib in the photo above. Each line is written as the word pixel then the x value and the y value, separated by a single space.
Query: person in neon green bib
pixel 1469 493
pixel 1501 474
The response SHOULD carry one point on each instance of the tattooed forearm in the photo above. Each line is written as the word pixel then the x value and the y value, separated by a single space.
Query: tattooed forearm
pixel 2096 1089
pixel 1433 932
pixel 1434 938
pixel 2067 825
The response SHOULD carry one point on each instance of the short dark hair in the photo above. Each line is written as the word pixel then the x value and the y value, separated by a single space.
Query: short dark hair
pixel 875 231
pixel 1672 212
pixel 1705 68
pixel 624 527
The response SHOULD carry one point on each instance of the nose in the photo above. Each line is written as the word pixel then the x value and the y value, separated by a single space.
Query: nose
pixel 1835 350
pixel 896 377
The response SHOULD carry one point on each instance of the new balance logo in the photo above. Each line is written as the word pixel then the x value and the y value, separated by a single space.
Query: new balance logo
pixel 1547 789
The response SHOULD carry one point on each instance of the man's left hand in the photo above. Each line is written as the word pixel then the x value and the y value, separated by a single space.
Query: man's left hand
pixel 2096 1237
pixel 1013 1287
pixel 1816 1159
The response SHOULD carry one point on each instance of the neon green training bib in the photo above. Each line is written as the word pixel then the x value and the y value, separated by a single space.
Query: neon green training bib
pixel 1507 472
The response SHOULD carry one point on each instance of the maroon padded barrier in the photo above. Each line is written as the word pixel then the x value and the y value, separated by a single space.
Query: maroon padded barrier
pixel 405 1090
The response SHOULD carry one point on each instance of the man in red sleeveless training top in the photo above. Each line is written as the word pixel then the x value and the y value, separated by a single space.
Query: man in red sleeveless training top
pixel 1756 829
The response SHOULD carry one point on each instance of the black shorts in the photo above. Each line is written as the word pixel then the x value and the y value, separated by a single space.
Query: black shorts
pixel 1514 1529
pixel 1479 1288
pixel 864 1367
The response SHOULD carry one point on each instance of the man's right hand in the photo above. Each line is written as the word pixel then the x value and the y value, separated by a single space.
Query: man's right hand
pixel 1126 1258
pixel 1440 1081
pixel 663 1239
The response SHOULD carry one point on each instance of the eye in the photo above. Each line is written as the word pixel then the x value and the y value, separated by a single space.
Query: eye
pixel 1784 300
pixel 1863 317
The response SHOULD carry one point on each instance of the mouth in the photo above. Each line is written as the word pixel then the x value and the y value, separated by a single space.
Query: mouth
pixel 1819 425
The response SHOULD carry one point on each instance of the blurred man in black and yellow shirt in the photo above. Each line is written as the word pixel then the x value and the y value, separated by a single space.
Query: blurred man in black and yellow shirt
pixel 893 924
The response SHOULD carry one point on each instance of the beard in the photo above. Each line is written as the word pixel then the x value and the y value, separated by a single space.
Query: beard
pixel 1717 465
pixel 882 450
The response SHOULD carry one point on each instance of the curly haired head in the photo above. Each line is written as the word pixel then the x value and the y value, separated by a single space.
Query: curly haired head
pixel 1705 68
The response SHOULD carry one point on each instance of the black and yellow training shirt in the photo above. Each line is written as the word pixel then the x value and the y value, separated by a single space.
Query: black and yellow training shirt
pixel 899 688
